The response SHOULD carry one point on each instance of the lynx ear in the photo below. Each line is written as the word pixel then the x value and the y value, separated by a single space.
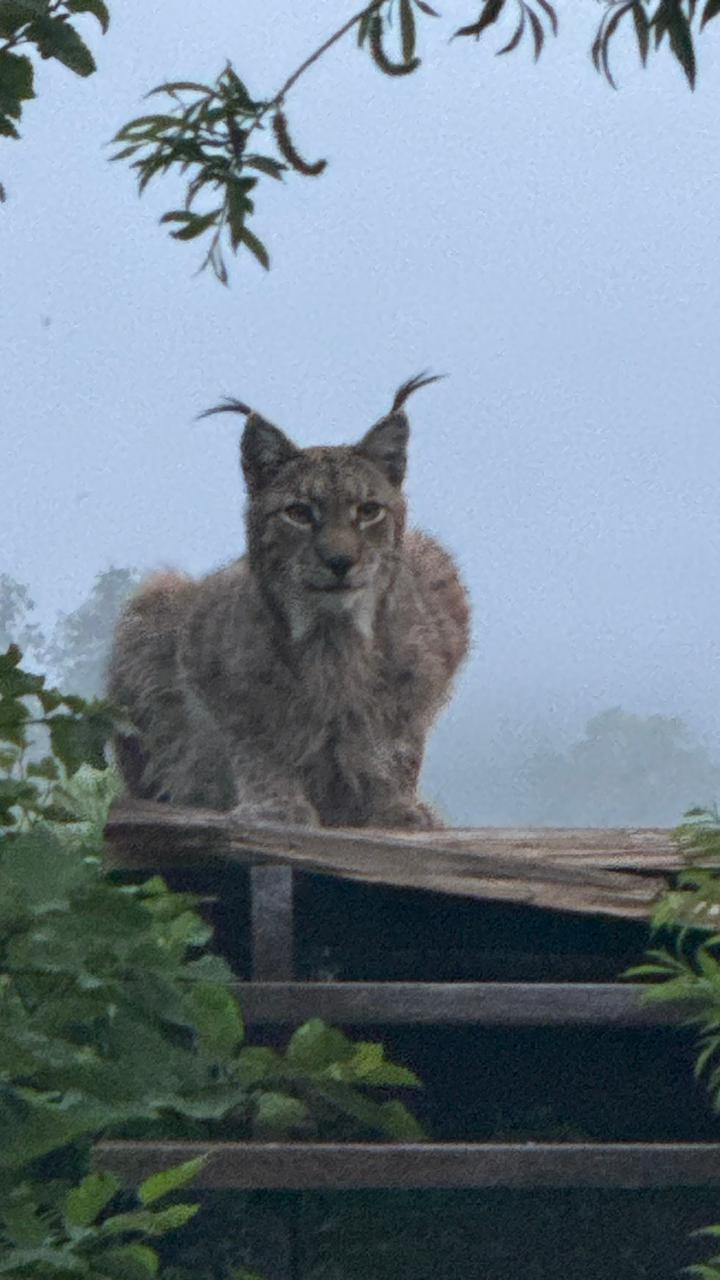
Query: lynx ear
pixel 385 445
pixel 264 450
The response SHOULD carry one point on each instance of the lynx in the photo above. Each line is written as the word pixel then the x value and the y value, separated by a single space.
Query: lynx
pixel 299 683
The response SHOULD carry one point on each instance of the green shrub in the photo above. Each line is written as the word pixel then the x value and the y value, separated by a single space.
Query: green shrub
pixel 687 969
pixel 116 1021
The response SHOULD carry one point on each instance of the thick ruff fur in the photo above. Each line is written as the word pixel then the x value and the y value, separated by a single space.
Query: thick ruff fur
pixel 299 684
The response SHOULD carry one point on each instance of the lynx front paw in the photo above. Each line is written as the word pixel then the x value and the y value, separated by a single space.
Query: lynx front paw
pixel 417 816
pixel 292 813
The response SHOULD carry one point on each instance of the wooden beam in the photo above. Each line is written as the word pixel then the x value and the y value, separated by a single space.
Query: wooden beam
pixel 341 1166
pixel 519 866
pixel 271 923
pixel 507 1004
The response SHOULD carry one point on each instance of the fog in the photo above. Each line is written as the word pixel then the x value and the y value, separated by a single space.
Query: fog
pixel 548 243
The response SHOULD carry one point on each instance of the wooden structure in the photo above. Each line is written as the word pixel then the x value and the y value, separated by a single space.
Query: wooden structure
pixel 613 873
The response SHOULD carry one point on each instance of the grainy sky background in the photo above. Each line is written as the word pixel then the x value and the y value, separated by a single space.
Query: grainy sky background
pixel 550 244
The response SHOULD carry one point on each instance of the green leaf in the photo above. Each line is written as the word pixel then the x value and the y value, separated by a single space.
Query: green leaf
pixel 146 127
pixel 277 1114
pixel 515 38
pixel 43 870
pixel 147 1222
pixel 255 1064
pixel 50 699
pixel 548 9
pixel 14 682
pixel 274 168
pixel 176 86
pixel 161 1184
pixel 97 8
pixel 315 1046
pixel 85 1203
pixel 57 39
pixel 681 43
pixel 217 1018
pixel 14 14
pixel 128 1262
pixel 490 14
pixel 196 225
pixel 20 1218
pixel 175 215
pixel 14 792
pixel 642 30
pixel 80 741
pixel 255 246
pixel 399 1123
pixel 49 1261
pixel 16 86
pixel 711 10
pixel 368 1065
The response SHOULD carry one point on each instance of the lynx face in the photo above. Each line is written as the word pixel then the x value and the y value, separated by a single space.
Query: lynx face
pixel 325 524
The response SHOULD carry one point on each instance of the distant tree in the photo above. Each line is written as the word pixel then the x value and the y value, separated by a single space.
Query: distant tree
pixel 204 129
pixel 16 607
pixel 78 651
pixel 628 770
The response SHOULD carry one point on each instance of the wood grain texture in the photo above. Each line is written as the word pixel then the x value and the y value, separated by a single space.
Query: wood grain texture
pixel 600 871
pixel 506 1004
pixel 342 1166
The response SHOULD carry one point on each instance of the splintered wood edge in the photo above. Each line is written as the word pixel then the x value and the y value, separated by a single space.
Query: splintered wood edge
pixel 532 866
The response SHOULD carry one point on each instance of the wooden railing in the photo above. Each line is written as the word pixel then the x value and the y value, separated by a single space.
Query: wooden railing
pixel 606 872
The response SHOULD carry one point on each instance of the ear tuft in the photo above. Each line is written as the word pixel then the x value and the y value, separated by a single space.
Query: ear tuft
pixel 385 445
pixel 414 384
pixel 264 449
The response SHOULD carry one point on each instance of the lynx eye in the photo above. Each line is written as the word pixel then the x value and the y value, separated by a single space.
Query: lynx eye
pixel 370 512
pixel 299 513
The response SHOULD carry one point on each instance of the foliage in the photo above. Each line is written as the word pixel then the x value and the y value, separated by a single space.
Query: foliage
pixel 116 1020
pixel 205 130
pixel 686 972
pixel 627 770
pixel 43 28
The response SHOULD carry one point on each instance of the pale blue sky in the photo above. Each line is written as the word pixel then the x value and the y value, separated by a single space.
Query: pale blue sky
pixel 550 244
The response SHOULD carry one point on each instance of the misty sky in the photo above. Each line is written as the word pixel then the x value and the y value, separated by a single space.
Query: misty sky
pixel 550 244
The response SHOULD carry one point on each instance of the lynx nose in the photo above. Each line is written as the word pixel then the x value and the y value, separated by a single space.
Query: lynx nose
pixel 339 564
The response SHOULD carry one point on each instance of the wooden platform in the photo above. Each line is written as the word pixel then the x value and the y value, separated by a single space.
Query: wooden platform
pixel 342 1166
pixel 486 1004
pixel 617 872
pixel 611 873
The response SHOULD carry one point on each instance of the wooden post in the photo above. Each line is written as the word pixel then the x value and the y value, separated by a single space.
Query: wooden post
pixel 271 922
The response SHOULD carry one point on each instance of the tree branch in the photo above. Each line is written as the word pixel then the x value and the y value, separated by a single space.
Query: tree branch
pixel 369 8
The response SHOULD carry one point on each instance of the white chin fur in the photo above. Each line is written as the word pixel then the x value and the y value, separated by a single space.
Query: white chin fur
pixel 359 605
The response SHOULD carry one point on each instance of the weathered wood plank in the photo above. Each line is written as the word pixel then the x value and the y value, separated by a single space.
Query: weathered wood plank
pixel 335 1166
pixel 493 864
pixel 271 923
pixel 509 1004
pixel 643 849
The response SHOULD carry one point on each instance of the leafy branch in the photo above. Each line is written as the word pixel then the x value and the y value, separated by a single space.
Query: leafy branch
pixel 44 27
pixel 687 973
pixel 208 132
